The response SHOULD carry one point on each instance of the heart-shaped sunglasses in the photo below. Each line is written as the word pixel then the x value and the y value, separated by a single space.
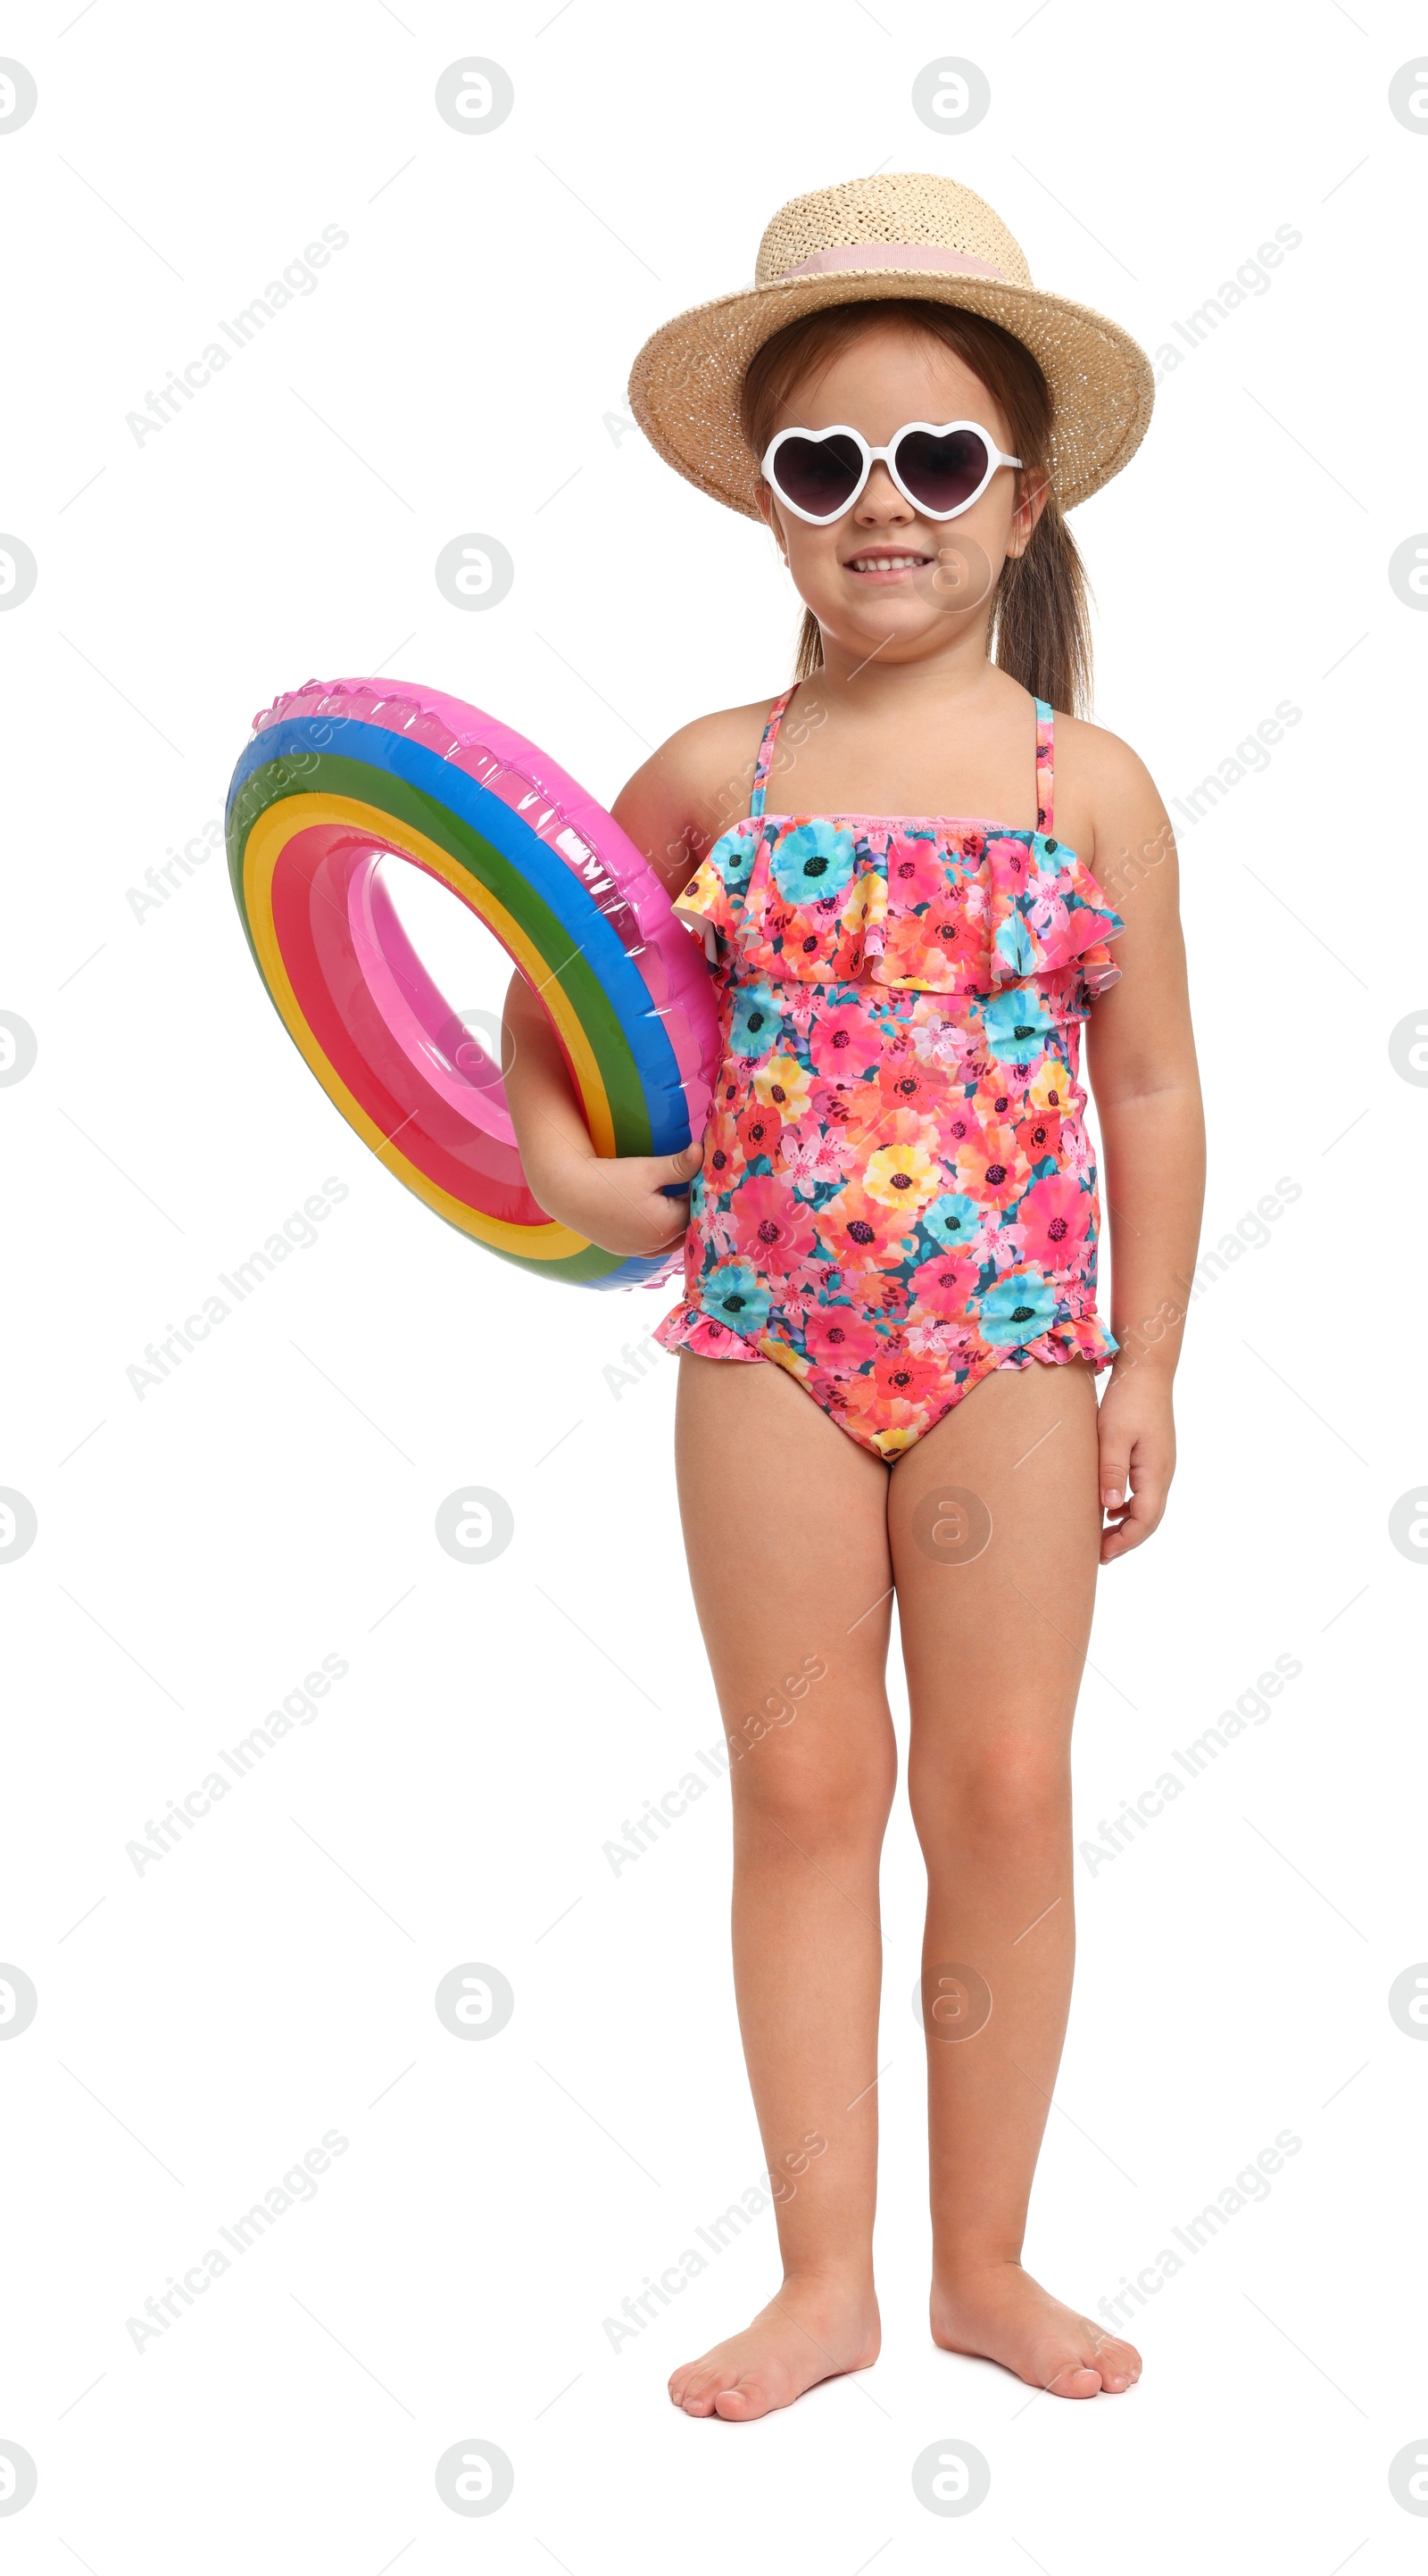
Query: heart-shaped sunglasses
pixel 819 473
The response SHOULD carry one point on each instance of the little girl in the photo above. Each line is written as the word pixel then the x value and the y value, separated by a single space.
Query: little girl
pixel 888 1335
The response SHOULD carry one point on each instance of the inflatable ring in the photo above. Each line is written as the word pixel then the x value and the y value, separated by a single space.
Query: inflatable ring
pixel 339 777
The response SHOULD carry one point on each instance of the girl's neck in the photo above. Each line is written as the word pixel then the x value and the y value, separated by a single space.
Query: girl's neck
pixel 952 682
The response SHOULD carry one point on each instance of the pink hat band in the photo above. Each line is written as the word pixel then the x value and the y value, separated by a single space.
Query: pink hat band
pixel 950 263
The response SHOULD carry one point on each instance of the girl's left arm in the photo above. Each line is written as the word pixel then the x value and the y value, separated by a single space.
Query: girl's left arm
pixel 1140 1054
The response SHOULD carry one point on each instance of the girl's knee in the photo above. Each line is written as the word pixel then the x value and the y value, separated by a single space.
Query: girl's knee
pixel 816 1792
pixel 1007 1787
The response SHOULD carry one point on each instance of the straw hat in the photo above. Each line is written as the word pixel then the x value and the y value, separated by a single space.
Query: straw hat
pixel 898 234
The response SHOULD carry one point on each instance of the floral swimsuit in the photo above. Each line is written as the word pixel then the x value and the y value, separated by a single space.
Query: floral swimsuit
pixel 898 1193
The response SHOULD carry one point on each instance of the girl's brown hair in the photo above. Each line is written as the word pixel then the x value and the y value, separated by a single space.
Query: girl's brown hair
pixel 1040 623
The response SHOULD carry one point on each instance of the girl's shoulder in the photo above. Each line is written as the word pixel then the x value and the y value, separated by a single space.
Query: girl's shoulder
pixel 714 755
pixel 1105 794
pixel 1092 754
pixel 692 788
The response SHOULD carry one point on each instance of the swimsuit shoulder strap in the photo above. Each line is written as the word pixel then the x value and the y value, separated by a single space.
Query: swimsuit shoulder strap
pixel 1045 766
pixel 764 763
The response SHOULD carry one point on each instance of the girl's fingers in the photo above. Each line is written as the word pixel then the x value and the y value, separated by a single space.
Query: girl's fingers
pixel 678 1168
pixel 1115 1472
pixel 1140 1514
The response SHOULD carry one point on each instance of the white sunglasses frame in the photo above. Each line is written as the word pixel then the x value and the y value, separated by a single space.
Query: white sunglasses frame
pixel 882 456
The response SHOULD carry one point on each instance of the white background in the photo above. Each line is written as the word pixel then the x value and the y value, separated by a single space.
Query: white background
pixel 461 366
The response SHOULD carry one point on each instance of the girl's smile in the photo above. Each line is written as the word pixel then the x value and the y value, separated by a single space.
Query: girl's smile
pixel 879 564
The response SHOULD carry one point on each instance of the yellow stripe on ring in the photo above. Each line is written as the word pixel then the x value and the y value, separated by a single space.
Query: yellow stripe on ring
pixel 266 842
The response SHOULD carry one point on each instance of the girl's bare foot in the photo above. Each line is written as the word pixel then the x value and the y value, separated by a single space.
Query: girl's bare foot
pixel 810 2331
pixel 1000 2314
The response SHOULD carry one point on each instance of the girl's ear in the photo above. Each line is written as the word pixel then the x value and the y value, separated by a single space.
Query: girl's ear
pixel 1035 493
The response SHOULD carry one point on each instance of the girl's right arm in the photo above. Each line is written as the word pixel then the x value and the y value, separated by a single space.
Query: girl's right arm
pixel 673 810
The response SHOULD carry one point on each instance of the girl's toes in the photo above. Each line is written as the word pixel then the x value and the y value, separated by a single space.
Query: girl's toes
pixel 1118 2364
pixel 1076 2379
pixel 738 2403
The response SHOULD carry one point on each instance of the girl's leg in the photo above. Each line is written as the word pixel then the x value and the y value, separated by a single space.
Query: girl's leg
pixel 993 1645
pixel 785 1522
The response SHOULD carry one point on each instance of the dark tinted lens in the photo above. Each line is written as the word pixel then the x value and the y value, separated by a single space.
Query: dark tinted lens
pixel 941 473
pixel 819 475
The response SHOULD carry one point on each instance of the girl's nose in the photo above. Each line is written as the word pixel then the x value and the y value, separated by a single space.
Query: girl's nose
pixel 880 499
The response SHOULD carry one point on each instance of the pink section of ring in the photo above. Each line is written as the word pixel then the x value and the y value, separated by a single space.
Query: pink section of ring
pixel 416 1014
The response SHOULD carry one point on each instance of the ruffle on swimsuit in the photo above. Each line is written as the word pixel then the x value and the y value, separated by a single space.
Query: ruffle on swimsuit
pixel 924 907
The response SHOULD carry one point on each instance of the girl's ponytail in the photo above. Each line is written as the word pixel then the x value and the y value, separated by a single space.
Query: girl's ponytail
pixel 1041 626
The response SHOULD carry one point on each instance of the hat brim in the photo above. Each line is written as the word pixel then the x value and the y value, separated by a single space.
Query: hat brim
pixel 684 385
